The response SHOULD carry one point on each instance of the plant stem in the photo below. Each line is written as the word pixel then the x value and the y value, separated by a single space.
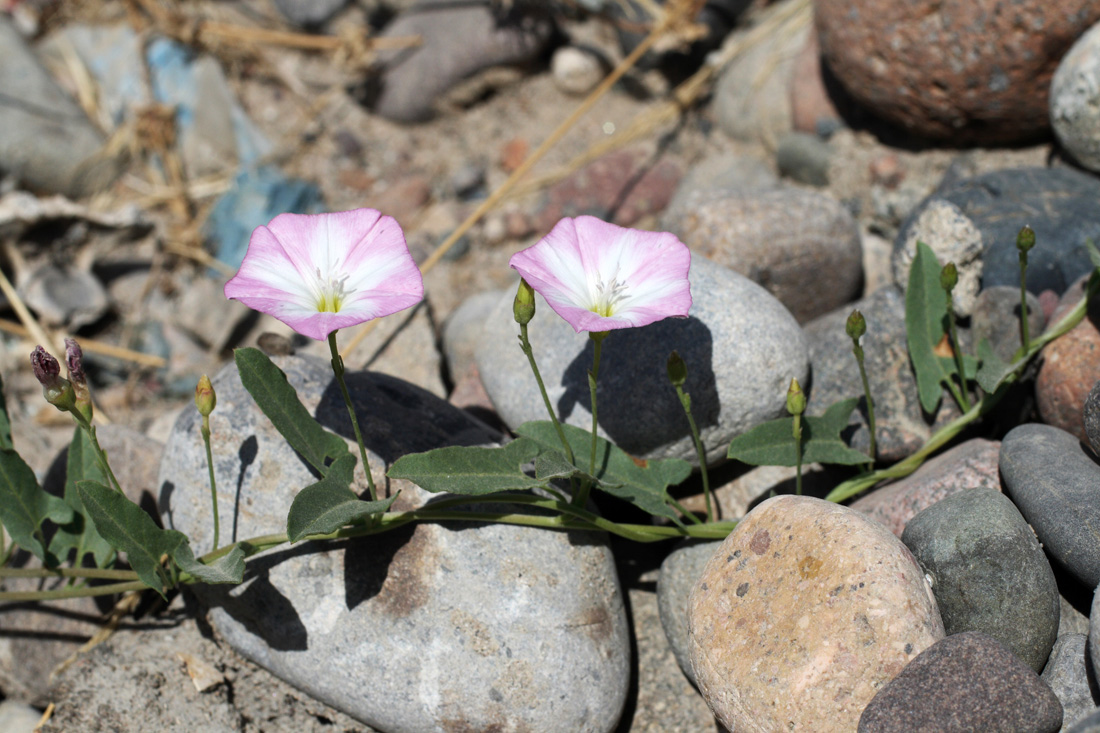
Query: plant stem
pixel 858 351
pixel 964 401
pixel 210 466
pixel 797 431
pixel 338 370
pixel 100 454
pixel 85 592
pixel 1025 340
pixel 685 401
pixel 97 573
pixel 597 340
pixel 525 344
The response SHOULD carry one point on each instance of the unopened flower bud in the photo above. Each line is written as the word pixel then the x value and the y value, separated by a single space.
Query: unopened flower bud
pixel 796 400
pixel 74 359
pixel 949 277
pixel 677 369
pixel 205 399
pixel 523 307
pixel 57 390
pixel 1025 240
pixel 856 325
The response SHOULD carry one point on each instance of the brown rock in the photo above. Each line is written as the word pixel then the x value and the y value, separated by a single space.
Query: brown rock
pixel 403 197
pixel 1071 366
pixel 971 465
pixel 811 98
pixel 513 153
pixel 964 70
pixel 803 613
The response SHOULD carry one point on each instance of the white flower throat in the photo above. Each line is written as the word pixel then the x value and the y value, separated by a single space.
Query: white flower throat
pixel 331 292
pixel 608 295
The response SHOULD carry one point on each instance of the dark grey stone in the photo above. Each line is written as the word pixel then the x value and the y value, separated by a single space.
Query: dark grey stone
pixel 1058 203
pixel 1091 414
pixel 309 13
pixel 996 318
pixel 901 424
pixel 804 158
pixel 1055 483
pixel 397 629
pixel 1090 724
pixel 740 344
pixel 988 572
pixel 966 682
pixel 1068 674
pixel 679 572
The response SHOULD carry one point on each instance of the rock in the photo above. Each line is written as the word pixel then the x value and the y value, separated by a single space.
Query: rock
pixel 966 682
pixel 439 609
pixel 1070 620
pixel 815 93
pixel 969 465
pixel 1090 724
pixel 16 717
pixel 1068 674
pixel 877 272
pixel 1058 203
pixel 1075 98
pixel 953 238
pixel 403 198
pixel 965 72
pixel 1070 367
pixel 901 425
pixel 468 180
pixel 802 614
pixel 621 187
pixel 996 319
pixel 1091 417
pixel 804 158
pixel 803 247
pixel 167 675
pixel 458 40
pixel 679 573
pixel 988 572
pixel 576 70
pixel 462 330
pixel 720 172
pixel 309 13
pixel 1054 483
pixel 46 141
pixel 741 346
pixel 64 296
pixel 751 97
pixel 732 498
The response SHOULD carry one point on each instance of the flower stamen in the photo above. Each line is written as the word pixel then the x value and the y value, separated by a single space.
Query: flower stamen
pixel 331 294
pixel 608 296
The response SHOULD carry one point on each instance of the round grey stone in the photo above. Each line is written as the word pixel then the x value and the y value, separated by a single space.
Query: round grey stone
pixel 1068 674
pixel 804 158
pixel 1075 100
pixel 679 572
pixel 740 344
pixel 398 628
pixel 988 572
pixel 953 238
pixel 996 319
pixel 1092 417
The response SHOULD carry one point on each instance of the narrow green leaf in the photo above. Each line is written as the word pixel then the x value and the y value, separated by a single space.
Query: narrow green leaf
pixel 329 504
pixel 229 568
pixel 993 371
pixel 553 464
pixel 80 534
pixel 925 314
pixel 24 506
pixel 639 482
pixel 126 526
pixel 773 444
pixel 5 422
pixel 1094 254
pixel 279 401
pixel 470 470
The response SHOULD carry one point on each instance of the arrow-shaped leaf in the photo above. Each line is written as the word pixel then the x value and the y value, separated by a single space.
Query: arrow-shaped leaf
pixel 773 444
pixel 229 568
pixel 329 504
pixel 24 506
pixel 470 470
pixel 80 534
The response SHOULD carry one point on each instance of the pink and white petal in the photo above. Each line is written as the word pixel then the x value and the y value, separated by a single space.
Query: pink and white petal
pixel 267 262
pixel 557 259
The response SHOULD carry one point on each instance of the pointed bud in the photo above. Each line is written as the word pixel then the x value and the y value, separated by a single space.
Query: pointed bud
pixel 677 369
pixel 205 399
pixel 949 277
pixel 57 391
pixel 523 307
pixel 1025 240
pixel 74 359
pixel 796 400
pixel 856 325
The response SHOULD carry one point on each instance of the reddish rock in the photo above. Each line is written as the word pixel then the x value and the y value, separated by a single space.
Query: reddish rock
pixel 970 465
pixel 513 153
pixel 1071 366
pixel 622 187
pixel 887 171
pixel 959 70
pixel 403 197
pixel 811 100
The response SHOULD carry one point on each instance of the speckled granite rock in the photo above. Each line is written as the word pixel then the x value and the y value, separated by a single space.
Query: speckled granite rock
pixel 679 573
pixel 1074 98
pixel 803 613
pixel 1068 674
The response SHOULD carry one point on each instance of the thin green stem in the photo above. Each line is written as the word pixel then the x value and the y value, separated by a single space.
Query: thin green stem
pixel 84 592
pixel 858 351
pixel 964 401
pixel 689 515
pixel 797 430
pixel 1025 339
pixel 525 344
pixel 100 454
pixel 338 370
pixel 685 401
pixel 210 467
pixel 593 375
pixel 97 573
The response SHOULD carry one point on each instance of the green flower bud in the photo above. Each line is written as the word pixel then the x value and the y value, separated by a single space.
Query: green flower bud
pixel 949 277
pixel 523 307
pixel 677 369
pixel 796 400
pixel 205 399
pixel 1025 240
pixel 856 326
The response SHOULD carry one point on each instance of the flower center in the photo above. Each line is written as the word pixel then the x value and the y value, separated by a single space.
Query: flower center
pixel 608 296
pixel 331 294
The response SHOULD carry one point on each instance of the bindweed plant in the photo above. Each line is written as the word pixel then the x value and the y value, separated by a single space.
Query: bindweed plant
pixel 321 273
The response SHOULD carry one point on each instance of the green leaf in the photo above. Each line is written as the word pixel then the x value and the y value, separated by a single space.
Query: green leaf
pixel 126 526
pixel 329 504
pixel 5 422
pixel 1094 254
pixel 553 464
pixel 80 534
pixel 470 470
pixel 279 401
pixel 229 568
pixel 993 371
pixel 24 506
pixel 773 444
pixel 925 316
pixel 641 483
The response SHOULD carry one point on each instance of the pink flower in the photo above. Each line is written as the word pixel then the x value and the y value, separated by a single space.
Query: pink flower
pixel 319 273
pixel 599 277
